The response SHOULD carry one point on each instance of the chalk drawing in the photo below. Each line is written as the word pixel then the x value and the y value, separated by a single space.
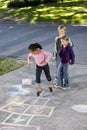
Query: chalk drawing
pixel 16 107
pixel 37 101
pixel 80 108
pixel 7 128
pixel 19 91
pixel 26 109
pixel 16 121
pixel 18 127
pixel 21 114
pixel 8 117
pixel 34 101
pixel 38 110
pixel 29 120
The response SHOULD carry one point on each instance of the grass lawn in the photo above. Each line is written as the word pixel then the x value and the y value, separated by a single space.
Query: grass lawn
pixel 71 11
pixel 7 65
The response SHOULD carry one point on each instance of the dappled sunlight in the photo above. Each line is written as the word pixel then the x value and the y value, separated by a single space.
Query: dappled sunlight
pixel 48 15
pixel 78 17
pixel 4 5
pixel 45 9
pixel 70 11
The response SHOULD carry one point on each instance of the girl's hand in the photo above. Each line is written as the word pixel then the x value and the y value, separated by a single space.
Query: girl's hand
pixel 29 65
pixel 44 63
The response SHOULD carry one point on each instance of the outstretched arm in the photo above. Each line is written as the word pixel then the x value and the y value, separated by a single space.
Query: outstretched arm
pixel 29 58
pixel 55 49
pixel 71 43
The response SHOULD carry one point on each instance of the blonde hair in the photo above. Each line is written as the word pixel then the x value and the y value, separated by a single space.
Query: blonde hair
pixel 65 37
pixel 61 27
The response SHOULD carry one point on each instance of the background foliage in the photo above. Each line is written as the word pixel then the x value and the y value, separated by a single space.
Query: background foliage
pixel 70 11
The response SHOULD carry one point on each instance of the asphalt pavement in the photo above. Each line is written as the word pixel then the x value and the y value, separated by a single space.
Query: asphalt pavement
pixel 16 37
pixel 20 109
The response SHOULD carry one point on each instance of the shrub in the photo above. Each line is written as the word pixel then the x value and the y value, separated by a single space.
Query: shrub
pixel 49 1
pixel 16 4
pixel 25 3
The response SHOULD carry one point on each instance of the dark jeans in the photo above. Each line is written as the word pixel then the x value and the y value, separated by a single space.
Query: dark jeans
pixel 46 70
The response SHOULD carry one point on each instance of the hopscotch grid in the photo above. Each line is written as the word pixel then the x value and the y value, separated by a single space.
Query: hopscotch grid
pixel 37 98
pixel 33 104
pixel 51 111
pixel 47 102
pixel 22 114
pixel 32 115
pixel 35 101
pixel 29 106
pixel 3 108
pixel 29 120
pixel 7 118
pixel 52 108
pixel 11 124
pixel 5 105
pixel 25 99
pixel 19 104
pixel 7 127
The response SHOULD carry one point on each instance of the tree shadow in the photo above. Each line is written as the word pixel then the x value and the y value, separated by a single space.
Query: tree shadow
pixel 45 14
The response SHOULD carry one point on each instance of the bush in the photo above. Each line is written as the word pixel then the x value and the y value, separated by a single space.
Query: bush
pixel 16 4
pixel 25 3
pixel 49 1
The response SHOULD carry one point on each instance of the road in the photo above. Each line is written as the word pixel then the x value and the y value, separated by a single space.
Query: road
pixel 15 39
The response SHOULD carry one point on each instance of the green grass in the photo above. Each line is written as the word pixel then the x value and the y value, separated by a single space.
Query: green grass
pixel 7 65
pixel 71 11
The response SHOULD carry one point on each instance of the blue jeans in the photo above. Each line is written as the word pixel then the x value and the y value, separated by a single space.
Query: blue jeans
pixel 63 68
pixel 57 64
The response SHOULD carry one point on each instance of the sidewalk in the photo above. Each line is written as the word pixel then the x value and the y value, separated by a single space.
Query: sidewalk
pixel 20 109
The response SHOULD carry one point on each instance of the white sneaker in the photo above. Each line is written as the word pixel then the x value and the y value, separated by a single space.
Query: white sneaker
pixel 55 81
pixel 65 87
pixel 56 86
pixel 68 87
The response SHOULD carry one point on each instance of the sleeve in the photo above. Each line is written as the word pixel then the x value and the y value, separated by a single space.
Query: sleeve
pixel 55 48
pixel 48 55
pixel 71 43
pixel 72 56
pixel 29 58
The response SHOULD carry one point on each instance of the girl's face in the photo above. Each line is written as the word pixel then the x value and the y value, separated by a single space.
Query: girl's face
pixel 35 52
pixel 64 42
pixel 61 32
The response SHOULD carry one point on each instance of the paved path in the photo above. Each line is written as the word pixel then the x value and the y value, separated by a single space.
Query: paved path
pixel 20 109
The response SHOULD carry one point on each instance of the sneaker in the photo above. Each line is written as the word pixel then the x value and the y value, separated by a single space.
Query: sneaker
pixel 65 87
pixel 68 87
pixel 55 81
pixel 56 86
pixel 51 90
